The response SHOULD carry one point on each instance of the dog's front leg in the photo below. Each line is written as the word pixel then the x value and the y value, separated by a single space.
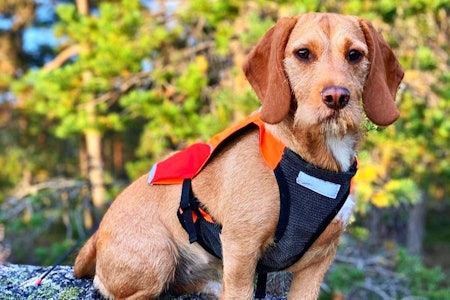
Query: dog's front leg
pixel 306 283
pixel 239 265
pixel 310 270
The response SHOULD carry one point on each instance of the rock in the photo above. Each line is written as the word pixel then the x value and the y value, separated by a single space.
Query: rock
pixel 21 282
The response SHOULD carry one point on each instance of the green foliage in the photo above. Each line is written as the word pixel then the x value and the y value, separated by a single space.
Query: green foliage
pixel 44 223
pixel 414 151
pixel 182 93
pixel 11 170
pixel 344 278
pixel 213 12
pixel 260 25
pixel 386 274
pixel 5 81
pixel 47 255
pixel 423 282
pixel 111 46
pixel 425 57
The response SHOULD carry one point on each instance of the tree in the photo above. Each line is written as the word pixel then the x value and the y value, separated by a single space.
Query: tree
pixel 78 90
pixel 20 14
pixel 22 144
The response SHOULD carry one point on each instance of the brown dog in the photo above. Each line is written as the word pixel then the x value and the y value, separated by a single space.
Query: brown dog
pixel 310 73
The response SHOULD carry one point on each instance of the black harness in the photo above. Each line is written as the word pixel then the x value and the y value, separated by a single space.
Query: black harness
pixel 309 200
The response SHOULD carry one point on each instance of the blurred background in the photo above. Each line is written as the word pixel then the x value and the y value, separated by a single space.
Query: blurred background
pixel 93 92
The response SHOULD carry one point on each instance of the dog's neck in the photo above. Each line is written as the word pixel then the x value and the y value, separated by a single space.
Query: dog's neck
pixel 343 149
pixel 322 148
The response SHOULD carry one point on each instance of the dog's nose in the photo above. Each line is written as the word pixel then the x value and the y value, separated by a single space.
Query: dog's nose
pixel 335 97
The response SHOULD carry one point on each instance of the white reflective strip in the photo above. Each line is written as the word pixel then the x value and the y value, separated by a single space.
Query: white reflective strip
pixel 325 188
pixel 151 174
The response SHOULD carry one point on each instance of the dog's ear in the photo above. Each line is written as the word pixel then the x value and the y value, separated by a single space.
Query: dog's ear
pixel 264 69
pixel 383 79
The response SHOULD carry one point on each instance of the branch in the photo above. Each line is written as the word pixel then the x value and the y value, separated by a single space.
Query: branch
pixel 20 198
pixel 62 57
pixel 54 184
pixel 376 290
pixel 112 96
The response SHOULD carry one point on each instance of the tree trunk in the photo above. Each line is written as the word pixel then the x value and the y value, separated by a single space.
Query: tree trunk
pixel 118 155
pixel 95 166
pixel 93 139
pixel 94 152
pixel 416 226
pixel 83 157
pixel 83 7
pixel 388 224
pixel 12 54
pixel 403 224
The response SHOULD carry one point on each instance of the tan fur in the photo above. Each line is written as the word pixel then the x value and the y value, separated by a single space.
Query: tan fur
pixel 140 248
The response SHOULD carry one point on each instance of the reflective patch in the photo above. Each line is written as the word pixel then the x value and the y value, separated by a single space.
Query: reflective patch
pixel 151 174
pixel 322 187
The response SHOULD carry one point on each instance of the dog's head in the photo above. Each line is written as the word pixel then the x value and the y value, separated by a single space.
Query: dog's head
pixel 319 66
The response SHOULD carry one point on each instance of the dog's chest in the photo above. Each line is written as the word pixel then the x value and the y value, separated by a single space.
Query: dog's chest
pixel 309 200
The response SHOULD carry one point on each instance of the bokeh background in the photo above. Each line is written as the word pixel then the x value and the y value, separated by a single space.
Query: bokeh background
pixel 93 92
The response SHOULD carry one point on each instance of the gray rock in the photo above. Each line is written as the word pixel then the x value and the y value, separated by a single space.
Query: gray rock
pixel 19 282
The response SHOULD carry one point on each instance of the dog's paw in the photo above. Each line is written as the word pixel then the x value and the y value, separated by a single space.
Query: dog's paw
pixel 102 289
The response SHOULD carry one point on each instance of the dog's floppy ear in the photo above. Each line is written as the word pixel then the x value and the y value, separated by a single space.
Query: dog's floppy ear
pixel 264 69
pixel 383 80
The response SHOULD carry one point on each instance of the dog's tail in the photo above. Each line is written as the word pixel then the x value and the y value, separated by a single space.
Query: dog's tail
pixel 86 258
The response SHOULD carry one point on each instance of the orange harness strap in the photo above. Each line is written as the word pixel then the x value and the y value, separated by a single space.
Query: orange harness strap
pixel 189 162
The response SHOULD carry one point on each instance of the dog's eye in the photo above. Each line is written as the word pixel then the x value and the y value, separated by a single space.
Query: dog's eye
pixel 354 56
pixel 303 54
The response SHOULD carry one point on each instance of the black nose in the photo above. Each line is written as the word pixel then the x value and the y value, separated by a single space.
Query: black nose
pixel 335 97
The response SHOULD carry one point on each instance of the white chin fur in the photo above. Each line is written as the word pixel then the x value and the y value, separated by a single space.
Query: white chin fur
pixel 342 149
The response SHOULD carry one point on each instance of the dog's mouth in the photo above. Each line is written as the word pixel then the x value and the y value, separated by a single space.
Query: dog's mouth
pixel 333 121
pixel 326 115
pixel 340 121
pixel 333 114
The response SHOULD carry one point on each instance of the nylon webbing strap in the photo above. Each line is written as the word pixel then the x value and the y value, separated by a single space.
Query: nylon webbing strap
pixel 185 205
pixel 285 204
pixel 261 286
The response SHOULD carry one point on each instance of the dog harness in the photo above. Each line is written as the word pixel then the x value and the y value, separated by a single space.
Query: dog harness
pixel 309 198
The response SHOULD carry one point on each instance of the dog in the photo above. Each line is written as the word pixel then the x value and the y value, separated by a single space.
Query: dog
pixel 317 76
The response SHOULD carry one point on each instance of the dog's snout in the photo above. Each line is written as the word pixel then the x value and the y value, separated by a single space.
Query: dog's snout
pixel 335 97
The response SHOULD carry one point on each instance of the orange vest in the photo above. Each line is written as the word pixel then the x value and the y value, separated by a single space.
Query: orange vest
pixel 187 163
